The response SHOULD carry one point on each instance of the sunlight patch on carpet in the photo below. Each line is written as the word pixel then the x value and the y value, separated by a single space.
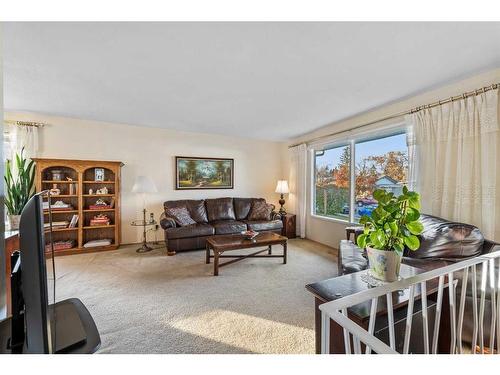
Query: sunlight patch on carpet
pixel 248 332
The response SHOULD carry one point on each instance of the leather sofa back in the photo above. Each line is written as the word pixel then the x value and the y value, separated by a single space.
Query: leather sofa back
pixel 242 206
pixel 196 208
pixel 447 240
pixel 220 209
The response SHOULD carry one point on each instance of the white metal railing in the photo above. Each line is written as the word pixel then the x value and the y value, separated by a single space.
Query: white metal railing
pixel 456 277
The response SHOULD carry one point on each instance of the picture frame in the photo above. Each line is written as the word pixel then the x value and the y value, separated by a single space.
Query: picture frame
pixel 99 174
pixel 203 173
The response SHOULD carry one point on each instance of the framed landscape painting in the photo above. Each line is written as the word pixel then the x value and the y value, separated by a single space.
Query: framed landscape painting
pixel 203 173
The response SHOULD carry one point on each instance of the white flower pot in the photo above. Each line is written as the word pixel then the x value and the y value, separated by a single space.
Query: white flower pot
pixel 384 265
pixel 14 221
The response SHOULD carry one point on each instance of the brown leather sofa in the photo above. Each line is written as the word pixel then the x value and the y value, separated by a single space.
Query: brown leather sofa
pixel 213 217
pixel 442 243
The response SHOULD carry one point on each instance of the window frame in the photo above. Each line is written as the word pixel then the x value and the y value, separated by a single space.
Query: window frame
pixel 352 142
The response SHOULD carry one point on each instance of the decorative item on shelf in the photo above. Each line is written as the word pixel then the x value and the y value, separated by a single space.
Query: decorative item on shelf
pixel 19 187
pixel 102 191
pixel 282 188
pixel 99 174
pixel 99 220
pixel 55 190
pixel 144 185
pixel 99 205
pixel 391 227
pixel 71 187
pixel 91 191
pixel 57 175
pixel 57 206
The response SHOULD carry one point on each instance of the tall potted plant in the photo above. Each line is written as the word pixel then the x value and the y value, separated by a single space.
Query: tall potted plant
pixel 391 227
pixel 19 187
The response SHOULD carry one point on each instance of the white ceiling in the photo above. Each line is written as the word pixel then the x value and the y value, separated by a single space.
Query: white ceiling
pixel 261 80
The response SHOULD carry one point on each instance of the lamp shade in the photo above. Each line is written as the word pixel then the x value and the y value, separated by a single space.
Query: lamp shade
pixel 144 184
pixel 282 187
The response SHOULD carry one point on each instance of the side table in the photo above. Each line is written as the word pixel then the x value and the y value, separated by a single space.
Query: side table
pixel 144 224
pixel 289 225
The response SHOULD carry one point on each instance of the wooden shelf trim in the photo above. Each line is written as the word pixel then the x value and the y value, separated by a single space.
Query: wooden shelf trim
pixel 97 195
pixel 63 196
pixel 99 182
pixel 46 212
pixel 59 182
pixel 99 226
pixel 99 210
pixel 61 230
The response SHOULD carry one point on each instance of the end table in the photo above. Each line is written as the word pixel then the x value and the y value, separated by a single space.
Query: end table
pixel 289 225
pixel 144 224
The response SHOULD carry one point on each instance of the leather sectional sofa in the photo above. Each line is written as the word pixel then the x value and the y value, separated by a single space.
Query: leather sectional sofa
pixel 442 242
pixel 219 216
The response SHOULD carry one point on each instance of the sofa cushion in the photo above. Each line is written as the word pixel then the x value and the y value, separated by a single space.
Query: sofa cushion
pixel 180 215
pixel 260 210
pixel 447 240
pixel 194 230
pixel 263 225
pixel 228 226
pixel 196 208
pixel 242 206
pixel 220 209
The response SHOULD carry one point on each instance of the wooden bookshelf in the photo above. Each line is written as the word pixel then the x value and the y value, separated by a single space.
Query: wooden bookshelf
pixel 75 192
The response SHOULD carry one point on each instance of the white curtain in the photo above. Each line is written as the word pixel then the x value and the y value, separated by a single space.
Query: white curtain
pixel 454 157
pixel 19 136
pixel 298 185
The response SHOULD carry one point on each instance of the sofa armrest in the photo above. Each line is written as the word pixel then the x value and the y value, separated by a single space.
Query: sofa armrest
pixel 166 222
pixel 274 215
pixel 490 246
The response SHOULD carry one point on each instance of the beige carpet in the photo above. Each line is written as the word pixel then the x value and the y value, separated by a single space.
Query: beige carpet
pixel 152 303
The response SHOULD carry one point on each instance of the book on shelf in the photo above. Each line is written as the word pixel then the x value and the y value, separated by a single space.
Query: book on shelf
pixel 57 225
pixel 74 221
pixel 61 245
pixel 98 243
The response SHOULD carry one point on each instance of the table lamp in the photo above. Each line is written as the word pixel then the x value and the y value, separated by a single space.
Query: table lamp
pixel 282 188
pixel 144 185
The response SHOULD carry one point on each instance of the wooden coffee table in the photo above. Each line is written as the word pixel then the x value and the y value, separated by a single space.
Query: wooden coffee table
pixel 221 244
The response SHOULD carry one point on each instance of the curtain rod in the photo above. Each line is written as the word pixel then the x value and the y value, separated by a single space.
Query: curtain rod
pixel 465 95
pixel 26 123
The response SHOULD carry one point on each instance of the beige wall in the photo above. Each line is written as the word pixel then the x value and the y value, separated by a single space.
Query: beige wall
pixel 330 232
pixel 151 151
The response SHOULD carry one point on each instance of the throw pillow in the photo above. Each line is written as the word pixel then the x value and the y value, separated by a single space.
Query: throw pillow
pixel 260 211
pixel 180 215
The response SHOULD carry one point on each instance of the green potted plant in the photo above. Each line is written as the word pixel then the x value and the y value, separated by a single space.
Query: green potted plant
pixel 391 227
pixel 19 187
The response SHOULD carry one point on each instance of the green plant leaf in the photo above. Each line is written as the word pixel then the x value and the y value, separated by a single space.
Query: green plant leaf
pixel 361 240
pixel 393 227
pixel 415 227
pixel 414 200
pixel 412 242
pixel 405 190
pixel 412 214
pixel 378 194
pixel 378 239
